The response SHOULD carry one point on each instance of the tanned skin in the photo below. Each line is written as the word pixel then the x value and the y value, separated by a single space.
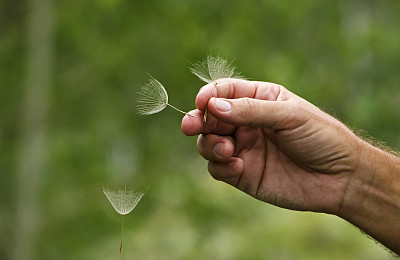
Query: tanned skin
pixel 281 149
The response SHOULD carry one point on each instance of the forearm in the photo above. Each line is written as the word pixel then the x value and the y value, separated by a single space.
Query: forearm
pixel 372 198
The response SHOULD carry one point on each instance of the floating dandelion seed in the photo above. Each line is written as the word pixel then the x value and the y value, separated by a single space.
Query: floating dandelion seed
pixel 123 202
pixel 212 69
pixel 153 98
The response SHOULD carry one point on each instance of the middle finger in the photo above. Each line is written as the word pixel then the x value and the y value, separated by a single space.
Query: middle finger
pixel 216 148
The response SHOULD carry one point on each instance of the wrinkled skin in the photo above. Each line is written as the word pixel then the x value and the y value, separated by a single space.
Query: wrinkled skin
pixel 274 145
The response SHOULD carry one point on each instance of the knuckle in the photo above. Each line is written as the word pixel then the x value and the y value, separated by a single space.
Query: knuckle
pixel 276 90
pixel 247 106
pixel 249 111
pixel 206 146
pixel 215 171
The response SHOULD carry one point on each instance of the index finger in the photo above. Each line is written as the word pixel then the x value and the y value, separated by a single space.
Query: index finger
pixel 237 88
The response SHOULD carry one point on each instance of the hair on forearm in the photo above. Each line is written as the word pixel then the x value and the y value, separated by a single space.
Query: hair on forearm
pixel 365 136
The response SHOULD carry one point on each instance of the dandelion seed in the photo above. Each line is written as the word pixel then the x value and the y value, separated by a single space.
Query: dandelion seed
pixel 123 202
pixel 212 69
pixel 153 98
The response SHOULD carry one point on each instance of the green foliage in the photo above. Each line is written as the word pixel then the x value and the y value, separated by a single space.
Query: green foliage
pixel 341 55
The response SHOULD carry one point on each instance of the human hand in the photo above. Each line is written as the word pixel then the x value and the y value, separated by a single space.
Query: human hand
pixel 274 145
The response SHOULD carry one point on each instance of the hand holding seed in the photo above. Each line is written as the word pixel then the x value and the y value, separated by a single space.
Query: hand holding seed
pixel 273 145
pixel 281 149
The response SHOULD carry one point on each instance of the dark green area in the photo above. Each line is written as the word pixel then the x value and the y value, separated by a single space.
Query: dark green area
pixel 342 55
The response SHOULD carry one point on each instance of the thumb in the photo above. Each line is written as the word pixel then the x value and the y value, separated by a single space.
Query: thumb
pixel 252 112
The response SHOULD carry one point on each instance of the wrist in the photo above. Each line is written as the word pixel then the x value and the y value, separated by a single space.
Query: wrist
pixel 372 198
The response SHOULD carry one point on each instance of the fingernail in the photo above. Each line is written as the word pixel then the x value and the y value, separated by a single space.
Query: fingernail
pixel 222 105
pixel 218 149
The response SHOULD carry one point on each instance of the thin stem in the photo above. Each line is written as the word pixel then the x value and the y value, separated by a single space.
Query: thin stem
pixel 122 228
pixel 183 112
pixel 122 232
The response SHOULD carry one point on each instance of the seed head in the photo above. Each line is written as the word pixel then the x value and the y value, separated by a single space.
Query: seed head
pixel 214 68
pixel 123 201
pixel 152 99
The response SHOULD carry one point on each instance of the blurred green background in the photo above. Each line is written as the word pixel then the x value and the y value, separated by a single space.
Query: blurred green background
pixel 69 72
